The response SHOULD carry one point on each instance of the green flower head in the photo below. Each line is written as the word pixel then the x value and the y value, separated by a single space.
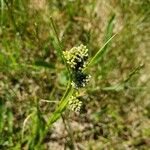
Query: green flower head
pixel 76 57
pixel 75 104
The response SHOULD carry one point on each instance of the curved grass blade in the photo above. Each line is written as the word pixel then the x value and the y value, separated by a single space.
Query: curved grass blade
pixel 99 54
pixel 107 39
pixel 110 27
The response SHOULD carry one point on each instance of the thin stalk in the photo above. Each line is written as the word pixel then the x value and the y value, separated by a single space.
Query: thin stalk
pixel 69 130
pixel 64 100
pixel 60 45
pixel 59 110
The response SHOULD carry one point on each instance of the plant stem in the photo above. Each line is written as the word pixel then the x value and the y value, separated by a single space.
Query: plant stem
pixel 59 110
pixel 69 130
pixel 60 45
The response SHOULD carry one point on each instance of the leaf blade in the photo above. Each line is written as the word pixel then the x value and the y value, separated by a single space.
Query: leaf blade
pixel 107 39
pixel 99 54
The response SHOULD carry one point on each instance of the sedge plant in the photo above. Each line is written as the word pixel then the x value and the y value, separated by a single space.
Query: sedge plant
pixel 77 62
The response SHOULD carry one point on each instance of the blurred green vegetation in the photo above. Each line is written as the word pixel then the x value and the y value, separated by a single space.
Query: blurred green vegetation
pixel 116 101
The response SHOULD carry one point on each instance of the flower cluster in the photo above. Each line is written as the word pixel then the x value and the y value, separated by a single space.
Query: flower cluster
pixel 76 59
pixel 75 104
pixel 80 79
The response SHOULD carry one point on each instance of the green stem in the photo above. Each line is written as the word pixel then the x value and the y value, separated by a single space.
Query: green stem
pixel 60 45
pixel 65 99
pixel 59 110
pixel 69 130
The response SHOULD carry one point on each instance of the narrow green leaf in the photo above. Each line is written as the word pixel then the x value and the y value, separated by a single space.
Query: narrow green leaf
pixel 118 87
pixel 2 11
pixel 100 53
pixel 2 114
pixel 57 41
pixel 107 39
pixel 10 120
pixel 44 64
pixel 110 27
pixel 121 86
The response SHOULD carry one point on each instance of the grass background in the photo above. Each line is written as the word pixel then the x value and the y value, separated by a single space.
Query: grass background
pixel 116 101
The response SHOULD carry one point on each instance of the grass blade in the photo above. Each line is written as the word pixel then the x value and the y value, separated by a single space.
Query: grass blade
pixel 2 11
pixel 122 85
pixel 108 38
pixel 100 53
pixel 110 27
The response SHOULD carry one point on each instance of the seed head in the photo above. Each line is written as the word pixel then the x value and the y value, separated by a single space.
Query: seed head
pixel 77 57
pixel 80 79
pixel 75 104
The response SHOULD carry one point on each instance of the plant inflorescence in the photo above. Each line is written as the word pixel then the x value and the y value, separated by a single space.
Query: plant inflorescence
pixel 77 58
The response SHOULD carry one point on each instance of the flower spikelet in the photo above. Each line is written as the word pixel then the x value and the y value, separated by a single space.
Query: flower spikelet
pixel 75 104
pixel 80 79
pixel 77 57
